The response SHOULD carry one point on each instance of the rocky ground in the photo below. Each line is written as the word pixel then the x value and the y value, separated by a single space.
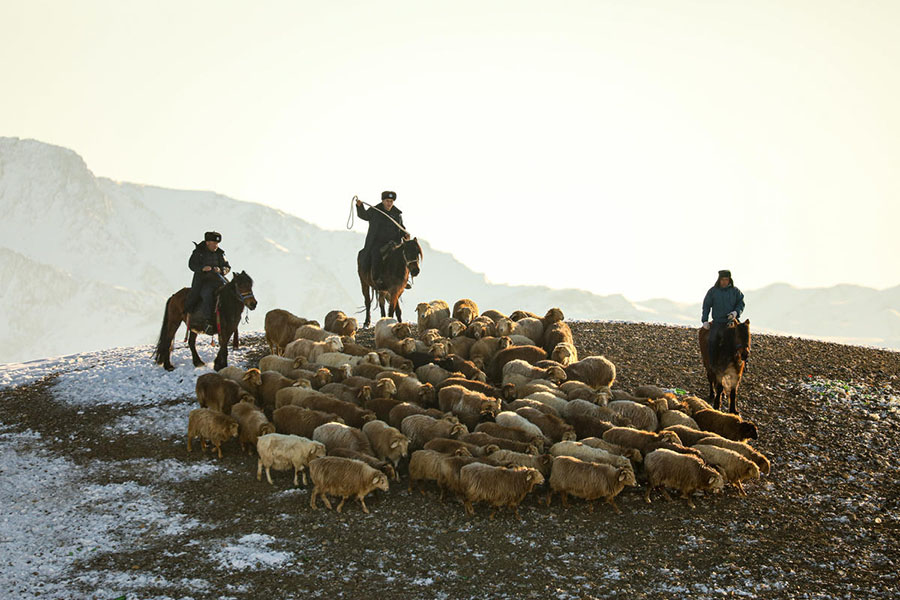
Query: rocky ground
pixel 824 524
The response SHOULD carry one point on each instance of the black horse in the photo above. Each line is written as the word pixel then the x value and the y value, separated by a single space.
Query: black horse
pixel 726 361
pixel 231 299
pixel 399 260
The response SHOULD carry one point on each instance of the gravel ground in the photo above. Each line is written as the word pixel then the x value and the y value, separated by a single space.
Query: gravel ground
pixel 823 524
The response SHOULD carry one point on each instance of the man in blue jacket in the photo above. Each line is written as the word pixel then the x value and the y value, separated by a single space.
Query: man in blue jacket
pixel 726 303
pixel 208 263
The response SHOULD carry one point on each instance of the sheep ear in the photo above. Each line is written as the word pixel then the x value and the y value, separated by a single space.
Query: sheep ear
pixel 395 444
pixel 622 475
pixel 375 479
pixel 711 480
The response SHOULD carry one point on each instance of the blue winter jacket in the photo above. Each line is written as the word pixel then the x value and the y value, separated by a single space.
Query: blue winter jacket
pixel 722 300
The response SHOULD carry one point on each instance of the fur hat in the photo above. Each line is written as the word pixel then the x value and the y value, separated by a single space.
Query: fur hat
pixel 386 195
pixel 212 236
pixel 724 273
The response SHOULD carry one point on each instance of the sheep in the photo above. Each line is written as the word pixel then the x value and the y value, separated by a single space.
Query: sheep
pixel 632 454
pixel 727 425
pixel 588 453
pixel 249 380
pixel 294 420
pixel 554 428
pixel 433 374
pixel 497 486
pixel 431 314
pixel 486 348
pixel 494 315
pixel 638 415
pixel 280 326
pixel 353 415
pixel 336 435
pixel 596 371
pixel 456 363
pixel 689 435
pixel 539 385
pixel 742 448
pixel 354 395
pixel 650 391
pixel 337 359
pixel 588 426
pixel 507 458
pixel 252 423
pixel 588 480
pixel 371 370
pixel 353 348
pixel 311 332
pixel 448 473
pixel 564 353
pixel 312 350
pixel 469 406
pixel 289 367
pixel 386 441
pixel 513 427
pixel 485 440
pixel 394 336
pixel 583 407
pixel 344 477
pixel 420 429
pixel 424 465
pixel 460 448
pixel 695 404
pixel 401 411
pixel 271 383
pixel 685 473
pixel 410 389
pixel 461 346
pixel 521 372
pixel 430 336
pixel 453 329
pixel 282 452
pixel 531 403
pixel 557 333
pixel 518 315
pixel 218 393
pixel 530 354
pixel 676 417
pixel 337 322
pixel 210 425
pixel 381 465
pixel 507 392
pixel 480 328
pixel 382 407
pixel 529 327
pixel 733 466
pixel 636 438
pixel 465 310
pixel 318 378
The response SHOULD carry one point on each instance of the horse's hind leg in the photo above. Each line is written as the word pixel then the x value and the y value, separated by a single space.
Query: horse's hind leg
pixel 718 398
pixel 732 405
pixel 192 342
pixel 367 298
pixel 222 357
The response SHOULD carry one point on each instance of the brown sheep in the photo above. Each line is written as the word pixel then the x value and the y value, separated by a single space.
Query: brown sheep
pixel 531 403
pixel 431 314
pixel 392 360
pixel 510 433
pixel 676 417
pixel 317 378
pixel 381 465
pixel 481 328
pixel 695 404
pixel 344 477
pixel 498 486
pixel 352 348
pixel 424 465
pixel 507 392
pixel 470 407
pixel 386 441
pixel 353 415
pixel 420 429
pixel 210 425
pixel 354 395
pixel 461 345
pixel 564 353
pixel 465 310
pixel 518 315
pixel 554 428
pixel 271 383
pixel 530 354
pixel 218 393
pixel 588 426
pixel 280 326
pixel 689 435
pixel 485 349
pixel 401 411
pixel 637 438
pixel 521 372
pixel 335 435
pixel 448 473
pixel 557 333
pixel 480 438
pixel 733 466
pixel 294 420
pixel 456 363
pixel 494 315
pixel 509 458
pixel 339 323
pixel 579 390
pixel 394 336
pixel 637 415
pixel 742 448
pixel 632 454
pixel 382 407
pixel 728 425
pixel 249 380
pixel 410 389
pixel 459 447
pixel 252 424
pixel 596 371
pixel 588 480
pixel 433 374
pixel 685 473
pixel 289 367
pixel 312 350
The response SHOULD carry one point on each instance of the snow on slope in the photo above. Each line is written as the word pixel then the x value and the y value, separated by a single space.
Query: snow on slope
pixel 88 263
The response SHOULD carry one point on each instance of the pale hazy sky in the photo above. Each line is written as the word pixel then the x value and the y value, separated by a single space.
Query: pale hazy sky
pixel 620 147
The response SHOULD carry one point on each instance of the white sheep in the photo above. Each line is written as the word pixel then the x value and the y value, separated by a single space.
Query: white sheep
pixel 515 421
pixel 281 452
pixel 312 350
pixel 336 435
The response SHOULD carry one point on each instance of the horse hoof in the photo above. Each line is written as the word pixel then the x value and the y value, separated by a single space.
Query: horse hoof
pixel 199 364
pixel 169 367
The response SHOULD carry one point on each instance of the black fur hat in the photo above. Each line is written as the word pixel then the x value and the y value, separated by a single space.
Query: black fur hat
pixel 725 273
pixel 386 195
pixel 212 236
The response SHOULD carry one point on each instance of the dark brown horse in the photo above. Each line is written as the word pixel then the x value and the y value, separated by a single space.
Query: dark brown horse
pixel 726 361
pixel 399 261
pixel 231 299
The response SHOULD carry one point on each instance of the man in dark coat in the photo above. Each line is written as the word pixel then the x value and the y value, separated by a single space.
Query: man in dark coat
pixel 382 230
pixel 209 266
pixel 726 303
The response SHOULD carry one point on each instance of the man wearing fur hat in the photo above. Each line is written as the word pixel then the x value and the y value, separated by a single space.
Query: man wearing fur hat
pixel 209 266
pixel 726 303
pixel 385 223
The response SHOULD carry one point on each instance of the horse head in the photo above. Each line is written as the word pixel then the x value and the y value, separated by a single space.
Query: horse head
pixel 412 254
pixel 243 287
pixel 742 340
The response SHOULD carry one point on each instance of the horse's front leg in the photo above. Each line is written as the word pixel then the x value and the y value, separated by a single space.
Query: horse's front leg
pixel 192 342
pixel 222 356
pixel 732 405
pixel 380 302
pixel 718 399
pixel 367 298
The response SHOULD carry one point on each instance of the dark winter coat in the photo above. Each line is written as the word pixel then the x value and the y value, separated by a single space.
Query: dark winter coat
pixel 202 257
pixel 722 300
pixel 381 229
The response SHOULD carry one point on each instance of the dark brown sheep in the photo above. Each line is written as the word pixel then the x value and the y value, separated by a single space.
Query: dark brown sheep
pixel 729 426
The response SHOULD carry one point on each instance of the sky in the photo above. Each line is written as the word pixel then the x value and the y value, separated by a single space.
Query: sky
pixel 617 147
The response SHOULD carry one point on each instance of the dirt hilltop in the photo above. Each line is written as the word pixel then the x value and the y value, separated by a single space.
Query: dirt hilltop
pixel 824 524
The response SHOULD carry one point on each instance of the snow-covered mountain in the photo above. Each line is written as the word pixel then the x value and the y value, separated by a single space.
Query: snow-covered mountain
pixel 87 263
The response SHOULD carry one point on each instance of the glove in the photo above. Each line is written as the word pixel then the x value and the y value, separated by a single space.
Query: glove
pixel 706 325
pixel 732 316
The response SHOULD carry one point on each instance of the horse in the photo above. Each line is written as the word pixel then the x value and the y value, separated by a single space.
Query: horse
pixel 399 260
pixel 231 299
pixel 727 363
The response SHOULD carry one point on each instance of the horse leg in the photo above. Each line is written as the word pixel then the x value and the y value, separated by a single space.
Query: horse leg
pixel 732 406
pixel 192 342
pixel 367 298
pixel 380 302
pixel 222 357
pixel 718 399
pixel 235 343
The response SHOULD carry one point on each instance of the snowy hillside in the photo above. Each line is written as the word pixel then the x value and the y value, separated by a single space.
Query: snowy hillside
pixel 87 263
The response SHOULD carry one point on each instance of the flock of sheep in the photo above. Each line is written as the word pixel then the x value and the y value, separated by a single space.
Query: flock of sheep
pixel 490 407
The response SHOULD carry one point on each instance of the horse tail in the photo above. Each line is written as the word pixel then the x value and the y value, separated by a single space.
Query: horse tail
pixel 164 343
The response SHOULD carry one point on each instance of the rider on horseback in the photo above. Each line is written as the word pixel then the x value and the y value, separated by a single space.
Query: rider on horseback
pixel 385 227
pixel 209 266
pixel 726 302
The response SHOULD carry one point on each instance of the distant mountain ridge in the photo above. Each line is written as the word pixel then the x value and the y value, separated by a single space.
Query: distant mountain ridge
pixel 87 263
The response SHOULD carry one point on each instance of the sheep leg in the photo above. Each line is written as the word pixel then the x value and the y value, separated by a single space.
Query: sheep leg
pixel 647 494
pixel 469 508
pixel 325 500
pixel 612 502
pixel 341 505
pixel 591 506
pixel 189 443
pixel 565 499
pixel 295 477
pixel 312 498
pixel 666 495
pixel 219 448
pixel 740 488
pixel 549 496
pixel 303 475
pixel 690 502
pixel 259 468
pixel 269 476
pixel 362 501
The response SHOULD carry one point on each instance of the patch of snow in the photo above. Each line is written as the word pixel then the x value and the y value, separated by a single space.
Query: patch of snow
pixel 250 552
